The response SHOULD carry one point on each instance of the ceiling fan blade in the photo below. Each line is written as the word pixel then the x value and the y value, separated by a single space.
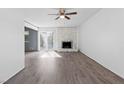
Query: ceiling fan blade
pixel 56 18
pixel 67 17
pixel 72 13
pixel 53 14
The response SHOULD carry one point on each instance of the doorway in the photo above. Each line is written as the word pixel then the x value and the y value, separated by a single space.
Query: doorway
pixel 46 40
pixel 31 42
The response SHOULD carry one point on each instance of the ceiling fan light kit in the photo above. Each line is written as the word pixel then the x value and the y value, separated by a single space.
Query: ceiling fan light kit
pixel 62 14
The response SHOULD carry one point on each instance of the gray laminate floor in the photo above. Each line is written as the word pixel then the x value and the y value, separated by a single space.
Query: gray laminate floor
pixel 62 68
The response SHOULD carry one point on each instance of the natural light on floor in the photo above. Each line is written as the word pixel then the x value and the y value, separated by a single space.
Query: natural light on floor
pixel 52 54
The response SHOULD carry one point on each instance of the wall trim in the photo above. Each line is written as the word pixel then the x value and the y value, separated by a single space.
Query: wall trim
pixel 101 65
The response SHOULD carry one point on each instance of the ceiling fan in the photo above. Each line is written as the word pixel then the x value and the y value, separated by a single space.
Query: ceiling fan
pixel 62 14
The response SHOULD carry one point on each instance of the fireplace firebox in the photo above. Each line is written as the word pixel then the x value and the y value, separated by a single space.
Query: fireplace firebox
pixel 67 44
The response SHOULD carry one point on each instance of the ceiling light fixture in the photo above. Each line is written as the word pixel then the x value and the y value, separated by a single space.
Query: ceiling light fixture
pixel 62 16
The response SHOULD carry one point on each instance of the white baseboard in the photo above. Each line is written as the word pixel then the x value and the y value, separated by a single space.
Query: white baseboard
pixel 2 82
pixel 105 66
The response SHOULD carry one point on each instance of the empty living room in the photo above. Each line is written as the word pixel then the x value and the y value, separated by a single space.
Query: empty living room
pixel 62 46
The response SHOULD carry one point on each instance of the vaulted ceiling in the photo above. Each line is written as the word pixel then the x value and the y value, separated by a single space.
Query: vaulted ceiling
pixel 40 17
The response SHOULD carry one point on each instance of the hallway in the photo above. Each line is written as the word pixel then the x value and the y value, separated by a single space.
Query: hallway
pixel 62 68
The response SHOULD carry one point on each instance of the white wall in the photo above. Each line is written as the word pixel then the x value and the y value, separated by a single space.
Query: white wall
pixel 102 39
pixel 11 43
pixel 63 34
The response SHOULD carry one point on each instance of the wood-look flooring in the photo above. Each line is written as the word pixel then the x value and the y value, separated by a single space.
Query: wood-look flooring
pixel 63 68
